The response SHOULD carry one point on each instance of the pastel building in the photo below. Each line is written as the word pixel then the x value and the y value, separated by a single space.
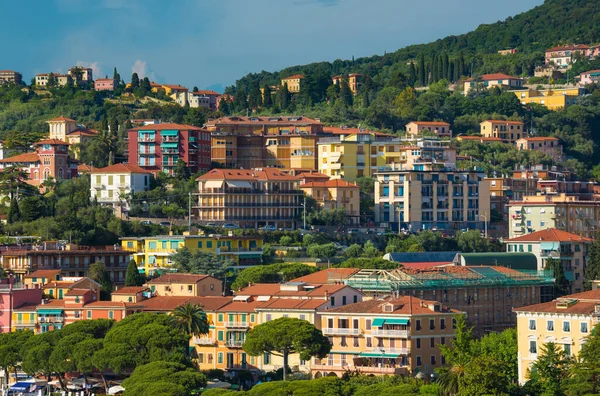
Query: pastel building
pixel 10 77
pixel 159 147
pixel 185 285
pixel 12 297
pixel 293 82
pixel 563 55
pixel 67 130
pixel 508 131
pixel 334 194
pixel 354 81
pixel 544 144
pixel 552 98
pixel 589 77
pixel 439 128
pixel 105 84
pixel 390 336
pixel 487 81
pixel 112 184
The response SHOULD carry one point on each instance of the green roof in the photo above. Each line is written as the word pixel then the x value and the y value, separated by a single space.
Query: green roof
pixel 518 261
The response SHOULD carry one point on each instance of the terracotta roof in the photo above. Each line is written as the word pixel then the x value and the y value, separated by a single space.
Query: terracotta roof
pixel 539 138
pixel 427 123
pixel 482 138
pixel 426 264
pixel 247 174
pixel 26 307
pixel 78 292
pixel 352 131
pixel 590 71
pixel 274 290
pixel 325 276
pixel 294 76
pixel 43 274
pixel 495 76
pixel 177 278
pixel 242 306
pixel 552 235
pixel 293 303
pixel 61 118
pixel 121 168
pixel 61 284
pixel 405 305
pixel 174 86
pixel 112 304
pixel 83 132
pixel 52 304
pixel 264 120
pixel 104 79
pixel 131 290
pixel 169 303
pixel 26 157
pixel 51 141
pixel 206 92
pixel 84 168
pixel 568 47
pixel 170 126
pixel 338 183
pixel 504 121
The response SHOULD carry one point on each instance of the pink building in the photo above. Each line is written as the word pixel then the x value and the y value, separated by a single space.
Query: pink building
pixel 12 297
pixel 104 84
pixel 545 144
pixel 589 77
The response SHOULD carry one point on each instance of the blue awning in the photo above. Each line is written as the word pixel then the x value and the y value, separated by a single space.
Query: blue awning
pixel 169 132
pixel 21 386
pixel 50 311
pixel 549 245
pixel 396 321
pixel 378 322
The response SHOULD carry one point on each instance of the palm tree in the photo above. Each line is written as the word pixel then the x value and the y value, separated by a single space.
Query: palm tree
pixel 191 318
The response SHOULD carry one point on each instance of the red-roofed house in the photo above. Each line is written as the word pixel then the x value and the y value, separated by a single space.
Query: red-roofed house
pixel 563 55
pixel 10 77
pixel 293 82
pixel 570 249
pixel 105 84
pixel 589 77
pixel 545 144
pixel 109 185
pixel 13 297
pixel 493 80
pixel 67 130
pixel 441 129
pixel 334 194
pixel 159 147
pixel 186 285
pixel 200 98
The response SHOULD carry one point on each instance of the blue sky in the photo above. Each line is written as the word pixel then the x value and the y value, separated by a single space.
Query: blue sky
pixel 211 43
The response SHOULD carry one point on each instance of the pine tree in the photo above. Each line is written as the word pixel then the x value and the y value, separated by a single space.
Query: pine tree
pixel 240 101
pixel 224 106
pixel 13 211
pixel 51 81
pixel 445 66
pixel 345 93
pixel 434 69
pixel 195 89
pixel 116 76
pixel 267 97
pixel 255 97
pixel 412 74
pixel 135 81
pixel 422 71
pixel 145 85
pixel 592 269
pixel 133 276
pixel 283 97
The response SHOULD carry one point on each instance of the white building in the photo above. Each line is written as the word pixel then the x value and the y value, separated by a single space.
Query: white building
pixel 193 99
pixel 111 184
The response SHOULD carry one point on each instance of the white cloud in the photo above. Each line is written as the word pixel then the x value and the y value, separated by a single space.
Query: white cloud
pixel 141 68
pixel 95 66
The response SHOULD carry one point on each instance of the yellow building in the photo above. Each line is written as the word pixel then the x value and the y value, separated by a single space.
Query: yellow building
pixel 566 321
pixel 334 194
pixel 293 82
pixel 508 131
pixel 25 317
pixel 153 253
pixel 37 279
pixel 552 98
pixel 57 289
pixel 567 213
pixel 185 285
pixel 386 337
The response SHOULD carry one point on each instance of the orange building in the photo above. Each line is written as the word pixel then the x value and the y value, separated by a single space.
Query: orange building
pixel 131 294
pixel 440 128
pixel 186 285
pixel 545 144
pixel 508 131
pixel 293 82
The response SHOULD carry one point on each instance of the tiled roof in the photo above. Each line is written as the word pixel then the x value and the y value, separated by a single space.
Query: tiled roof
pixel 206 92
pixel 568 47
pixel 323 277
pixel 294 76
pixel 60 284
pixel 495 76
pixel 539 138
pixel 131 290
pixel 43 274
pixel 575 304
pixel 83 132
pixel 84 168
pixel 120 168
pixel 264 120
pixel 505 122
pixel 309 175
pixel 274 290
pixel 174 86
pixel 242 306
pixel 482 138
pixel 78 292
pixel 352 131
pixel 293 303
pixel 427 123
pixel 177 278
pixel 247 174
pixel 339 183
pixel 61 118
pixel 551 235
pixel 169 126
pixel 112 304
pixel 26 307
pixel 405 305
pixel 51 141
pixel 26 157
pixel 104 79
pixel 169 303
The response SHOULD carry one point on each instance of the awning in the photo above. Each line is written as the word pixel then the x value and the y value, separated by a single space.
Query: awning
pixel 378 322
pixel 50 312
pixel 169 133
pixel 380 355
pixel 21 386
pixel 397 321
pixel 239 184
pixel 169 145
pixel 335 157
pixel 591 222
pixel 549 245
pixel 213 184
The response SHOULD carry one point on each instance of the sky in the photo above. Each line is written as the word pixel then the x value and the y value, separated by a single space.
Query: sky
pixel 211 43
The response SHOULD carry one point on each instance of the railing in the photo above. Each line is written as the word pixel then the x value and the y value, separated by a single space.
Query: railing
pixel 234 343
pixel 25 323
pixel 341 331
pixel 236 324
pixel 203 341
pixel 51 319
pixel 247 191
pixel 248 205
pixel 170 138
pixel 391 333
pixel 226 249
pixel 392 352
pixel 550 253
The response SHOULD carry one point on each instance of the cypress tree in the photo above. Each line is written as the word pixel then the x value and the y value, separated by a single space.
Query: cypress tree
pixel 13 211
pixel 440 71
pixel 434 69
pixel 133 276
pixel 345 93
pixel 422 70
pixel 255 97
pixel 267 98
pixel 446 65
pixel 451 71
pixel 412 75
pixel 135 81
pixel 283 97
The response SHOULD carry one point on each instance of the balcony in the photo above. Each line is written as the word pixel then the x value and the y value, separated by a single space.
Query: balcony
pixel 241 325
pixel 389 333
pixel 24 323
pixel 170 151
pixel 375 369
pixel 550 254
pixel 203 341
pixel 170 139
pixel 234 343
pixel 51 319
pixel 341 331
pixel 392 352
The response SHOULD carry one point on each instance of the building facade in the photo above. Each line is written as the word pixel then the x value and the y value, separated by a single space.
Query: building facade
pixel 113 184
pixel 487 81
pixel 10 77
pixel 335 194
pixel 441 129
pixel 185 285
pixel 508 131
pixel 293 82
pixel 588 77
pixel 159 147
pixel 563 55
pixel 12 297
pixel 249 198
pixel 552 98
pixel 547 145
pixel 105 84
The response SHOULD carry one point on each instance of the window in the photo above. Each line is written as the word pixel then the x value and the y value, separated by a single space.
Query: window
pixel 220 335
pixel 343 341
pixel 89 314
pixel 267 358
pixel 343 300
pixel 567 349
pixel 111 314
pixel 200 245
pixel 432 342
pixel 368 324
pixel 268 317
pixel 419 363
pixel 443 340
pixel 431 324
pixel 355 299
pixel 432 360
pixel 209 244
pixel 356 344
pixel 252 318
pixel 532 346
pixel 189 288
pixel 442 324
pixel 583 327
pixel 418 343
pixel 369 343
pixel 418 324
pixel 220 317
pixel 332 301
pixel 220 358
pixel 567 326
pixel 550 325
pixel 531 324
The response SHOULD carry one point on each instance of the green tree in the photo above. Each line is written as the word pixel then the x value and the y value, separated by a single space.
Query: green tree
pixel 273 273
pixel 592 269
pixel 255 97
pixel 561 283
pixel 327 251
pixel 369 250
pixel 51 83
pixel 135 81
pixel 192 319
pixel 354 250
pixel 267 97
pixel 457 358
pixel 285 336
pixel 345 92
pixel 133 277
pixel 14 213
pixel 100 274
pixel 585 371
pixel 405 102
pixel 200 262
pixel 550 370
pixel 422 77
pixel 172 211
pixel 12 351
pixel 283 97
pixel 163 378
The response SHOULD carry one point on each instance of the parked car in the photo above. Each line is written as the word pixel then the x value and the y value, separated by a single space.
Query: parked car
pixel 211 225
pixel 268 228
pixel 165 224
pixel 230 225
pixel 146 222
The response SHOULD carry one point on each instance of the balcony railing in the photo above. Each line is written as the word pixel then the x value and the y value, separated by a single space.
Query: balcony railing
pixel 24 323
pixel 393 352
pixel 389 333
pixel 236 324
pixel 203 341
pixel 234 343
pixel 51 319
pixel 341 331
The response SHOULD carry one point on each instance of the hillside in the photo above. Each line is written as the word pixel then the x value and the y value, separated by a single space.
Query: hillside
pixel 531 32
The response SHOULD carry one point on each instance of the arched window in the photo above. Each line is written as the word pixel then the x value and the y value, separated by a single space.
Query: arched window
pixel 60 173
pixel 46 173
pixel 36 175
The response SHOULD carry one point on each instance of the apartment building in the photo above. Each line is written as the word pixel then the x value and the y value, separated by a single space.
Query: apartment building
pixel 563 55
pixel 487 293
pixel 201 98
pixel 105 84
pixel 57 286
pixel 249 197
pixel 562 211
pixel 505 189
pixel 487 81
pixel 585 78
pixel 570 249
pixel 293 82
pixel 554 98
pixel 566 321
pixel 10 77
pixel 50 160
pixel 72 260
pixel 390 336
pixel 544 144
pixel 185 285
pixel 354 81
pixel 159 147
pixel 508 131
pixel 335 194
pixel 81 75
pixel 112 184
pixel 445 199
pixel 61 80
pixel 251 142
pixel 12 297
pixel 439 128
